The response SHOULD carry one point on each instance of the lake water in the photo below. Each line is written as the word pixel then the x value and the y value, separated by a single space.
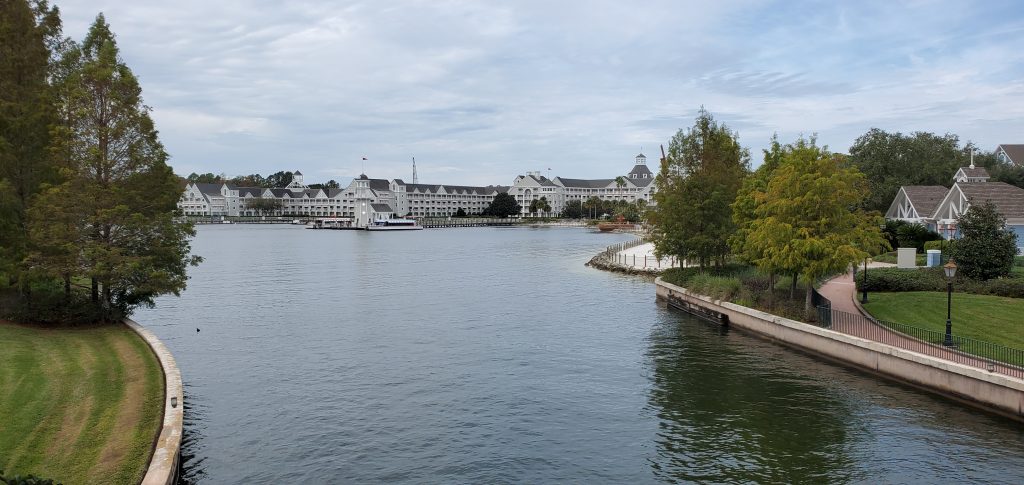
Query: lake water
pixel 493 355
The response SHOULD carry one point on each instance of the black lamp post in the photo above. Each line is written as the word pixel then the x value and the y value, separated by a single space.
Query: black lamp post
pixel 864 286
pixel 950 270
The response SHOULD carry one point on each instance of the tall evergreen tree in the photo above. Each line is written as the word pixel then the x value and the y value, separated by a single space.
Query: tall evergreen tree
pixel 27 32
pixel 697 183
pixel 119 188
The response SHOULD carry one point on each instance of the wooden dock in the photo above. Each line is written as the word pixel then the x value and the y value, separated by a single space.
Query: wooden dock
pixel 440 222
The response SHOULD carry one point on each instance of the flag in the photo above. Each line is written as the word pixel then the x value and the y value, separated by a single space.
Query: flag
pixel 364 158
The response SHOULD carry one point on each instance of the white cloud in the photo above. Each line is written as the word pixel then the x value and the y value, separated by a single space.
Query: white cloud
pixel 480 92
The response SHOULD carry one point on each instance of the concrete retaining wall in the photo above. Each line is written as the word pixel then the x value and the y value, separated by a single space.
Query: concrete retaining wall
pixel 163 466
pixel 995 392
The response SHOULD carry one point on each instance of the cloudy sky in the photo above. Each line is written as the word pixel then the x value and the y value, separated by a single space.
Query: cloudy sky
pixel 482 91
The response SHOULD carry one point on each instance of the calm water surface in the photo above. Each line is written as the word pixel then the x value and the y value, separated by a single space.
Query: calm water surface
pixel 493 355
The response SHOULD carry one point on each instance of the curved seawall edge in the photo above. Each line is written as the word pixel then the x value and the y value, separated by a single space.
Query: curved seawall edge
pixel 163 464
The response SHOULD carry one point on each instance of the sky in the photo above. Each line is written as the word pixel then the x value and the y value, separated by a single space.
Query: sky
pixel 482 91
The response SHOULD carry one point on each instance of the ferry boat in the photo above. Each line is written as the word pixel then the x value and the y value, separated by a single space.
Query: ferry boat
pixel 394 225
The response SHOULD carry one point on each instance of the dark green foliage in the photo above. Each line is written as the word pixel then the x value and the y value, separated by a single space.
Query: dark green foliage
pixel 697 183
pixel 681 276
pixel 460 213
pixel 278 180
pixel 503 205
pixel 573 209
pixel 106 230
pixel 895 279
pixel 25 480
pixel 206 178
pixel 986 249
pixel 540 205
pixel 27 32
pixel 263 206
pixel 890 160
pixel 933 279
pixel 902 234
pixel 254 180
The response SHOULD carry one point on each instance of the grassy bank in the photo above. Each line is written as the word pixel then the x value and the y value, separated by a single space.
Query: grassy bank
pixel 991 318
pixel 78 405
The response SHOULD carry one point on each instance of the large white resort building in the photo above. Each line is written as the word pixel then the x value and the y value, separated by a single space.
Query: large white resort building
pixel 366 198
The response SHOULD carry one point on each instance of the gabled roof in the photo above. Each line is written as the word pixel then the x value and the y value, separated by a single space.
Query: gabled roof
pixel 380 184
pixel 1014 152
pixel 381 208
pixel 209 189
pixel 1008 199
pixel 250 191
pixel 541 180
pixel 586 184
pixel 641 182
pixel 332 193
pixel 422 188
pixel 281 193
pixel 298 173
pixel 971 172
pixel 925 198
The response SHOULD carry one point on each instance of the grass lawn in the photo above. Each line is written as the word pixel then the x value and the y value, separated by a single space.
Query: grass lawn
pixel 77 405
pixel 991 318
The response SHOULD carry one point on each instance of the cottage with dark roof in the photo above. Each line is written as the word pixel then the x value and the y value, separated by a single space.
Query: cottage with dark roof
pixel 916 203
pixel 939 208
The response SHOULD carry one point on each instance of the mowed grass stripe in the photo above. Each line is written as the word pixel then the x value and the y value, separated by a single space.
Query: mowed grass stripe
pixel 86 403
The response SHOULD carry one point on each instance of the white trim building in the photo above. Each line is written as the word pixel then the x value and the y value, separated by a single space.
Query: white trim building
pixel 416 200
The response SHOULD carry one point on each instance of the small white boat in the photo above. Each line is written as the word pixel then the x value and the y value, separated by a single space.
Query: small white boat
pixel 394 225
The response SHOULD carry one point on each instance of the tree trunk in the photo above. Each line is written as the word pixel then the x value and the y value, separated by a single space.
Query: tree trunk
pixel 67 287
pixel 808 314
pixel 792 288
pixel 95 291
pixel 771 290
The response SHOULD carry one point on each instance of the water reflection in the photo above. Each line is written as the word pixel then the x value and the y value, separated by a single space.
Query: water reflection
pixel 726 417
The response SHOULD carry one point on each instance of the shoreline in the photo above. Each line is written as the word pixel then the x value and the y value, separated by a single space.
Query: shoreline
pixel 992 392
pixel 166 454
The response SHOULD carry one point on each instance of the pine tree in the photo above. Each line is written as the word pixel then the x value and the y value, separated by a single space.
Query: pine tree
pixel 697 183
pixel 27 32
pixel 119 188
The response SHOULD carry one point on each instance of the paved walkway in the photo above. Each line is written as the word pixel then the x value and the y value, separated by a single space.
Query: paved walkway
pixel 848 318
pixel 642 257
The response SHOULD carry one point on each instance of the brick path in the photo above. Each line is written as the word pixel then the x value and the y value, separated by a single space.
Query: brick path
pixel 841 291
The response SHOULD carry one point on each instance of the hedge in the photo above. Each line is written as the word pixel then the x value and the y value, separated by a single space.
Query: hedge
pixel 933 279
pixel 942 245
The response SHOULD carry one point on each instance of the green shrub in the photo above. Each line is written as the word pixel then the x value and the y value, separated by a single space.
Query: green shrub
pixel 895 279
pixel 941 244
pixel 1007 287
pixel 682 276
pixel 26 480
pixel 986 249
pixel 717 287
pixel 1018 261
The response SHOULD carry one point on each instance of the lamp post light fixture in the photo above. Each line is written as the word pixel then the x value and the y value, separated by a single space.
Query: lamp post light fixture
pixel 950 270
pixel 864 285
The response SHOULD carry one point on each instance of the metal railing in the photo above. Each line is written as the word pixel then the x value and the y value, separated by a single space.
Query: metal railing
pixel 964 350
pixel 824 306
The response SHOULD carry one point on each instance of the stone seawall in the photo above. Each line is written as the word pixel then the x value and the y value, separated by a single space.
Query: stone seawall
pixel 163 465
pixel 994 392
